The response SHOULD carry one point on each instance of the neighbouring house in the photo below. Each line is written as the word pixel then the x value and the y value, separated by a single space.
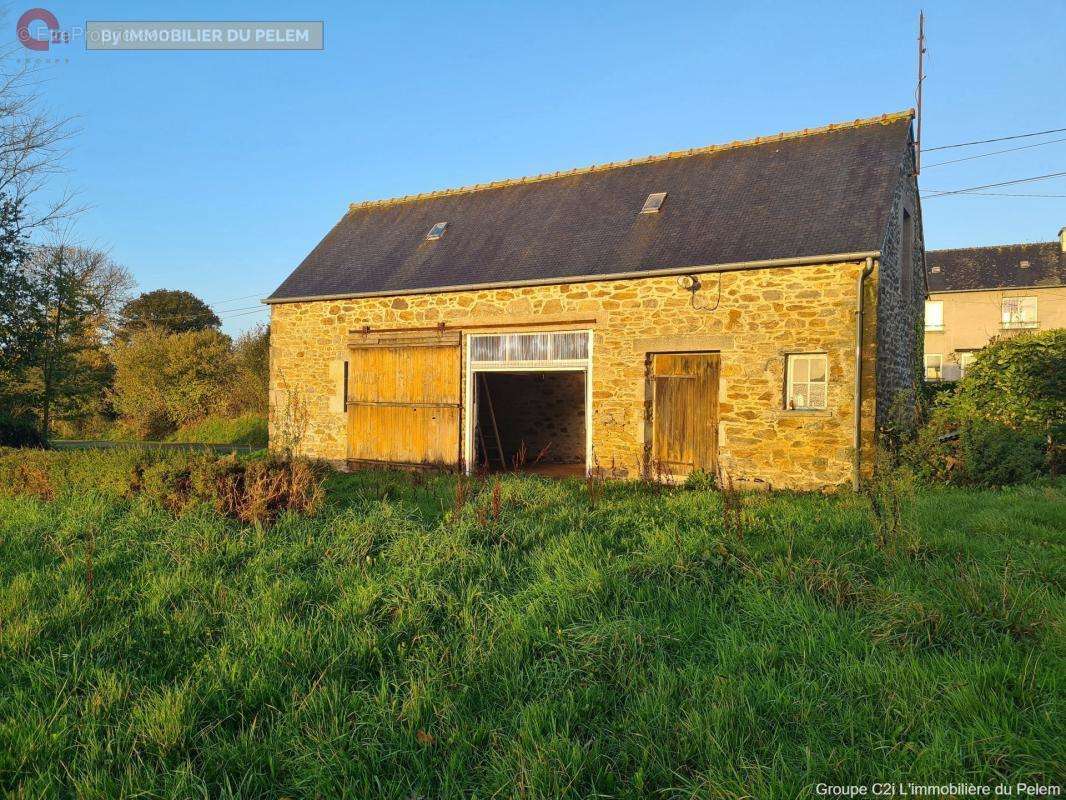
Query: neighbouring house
pixel 752 307
pixel 978 293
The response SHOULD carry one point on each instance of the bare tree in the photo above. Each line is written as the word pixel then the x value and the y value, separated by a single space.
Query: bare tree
pixel 33 142
pixel 108 283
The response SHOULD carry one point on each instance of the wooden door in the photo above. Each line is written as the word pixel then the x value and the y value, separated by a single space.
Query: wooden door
pixel 404 402
pixel 684 412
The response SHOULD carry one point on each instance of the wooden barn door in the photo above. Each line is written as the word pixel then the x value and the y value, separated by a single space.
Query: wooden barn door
pixel 404 402
pixel 684 412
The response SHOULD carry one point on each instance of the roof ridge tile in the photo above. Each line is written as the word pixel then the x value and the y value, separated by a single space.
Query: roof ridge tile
pixel 883 119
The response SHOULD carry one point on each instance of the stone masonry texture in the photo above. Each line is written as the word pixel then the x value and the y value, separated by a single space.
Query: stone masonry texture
pixel 754 318
pixel 900 328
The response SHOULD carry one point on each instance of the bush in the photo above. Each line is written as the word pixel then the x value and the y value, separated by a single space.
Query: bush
pixel 164 381
pixel 1019 381
pixel 250 381
pixel 19 433
pixel 976 452
pixel 1003 422
pixel 992 454
pixel 253 490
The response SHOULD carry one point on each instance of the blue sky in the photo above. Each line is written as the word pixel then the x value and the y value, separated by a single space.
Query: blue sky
pixel 218 172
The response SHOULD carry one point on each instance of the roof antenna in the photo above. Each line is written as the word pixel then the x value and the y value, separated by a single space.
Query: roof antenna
pixel 921 80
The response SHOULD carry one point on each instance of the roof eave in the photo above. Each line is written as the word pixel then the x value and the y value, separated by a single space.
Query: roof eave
pixel 798 261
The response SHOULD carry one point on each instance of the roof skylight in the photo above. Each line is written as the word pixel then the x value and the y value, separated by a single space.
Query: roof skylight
pixel 653 203
pixel 436 231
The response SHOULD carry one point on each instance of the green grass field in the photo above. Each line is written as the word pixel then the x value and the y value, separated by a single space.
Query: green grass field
pixel 539 643
pixel 248 428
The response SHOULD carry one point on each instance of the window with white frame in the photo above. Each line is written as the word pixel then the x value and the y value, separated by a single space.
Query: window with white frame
pixel 966 358
pixel 934 315
pixel 806 381
pixel 934 366
pixel 1019 312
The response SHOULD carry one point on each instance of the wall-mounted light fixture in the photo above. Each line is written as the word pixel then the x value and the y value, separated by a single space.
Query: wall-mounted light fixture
pixel 688 282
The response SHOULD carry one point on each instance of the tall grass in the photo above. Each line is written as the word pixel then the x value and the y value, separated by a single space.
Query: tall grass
pixel 512 638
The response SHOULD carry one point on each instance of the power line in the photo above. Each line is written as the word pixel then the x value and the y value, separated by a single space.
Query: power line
pixel 202 315
pixel 999 194
pixel 995 153
pixel 214 303
pixel 989 141
pixel 994 185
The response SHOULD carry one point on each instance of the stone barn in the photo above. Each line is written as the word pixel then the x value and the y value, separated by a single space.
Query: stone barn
pixel 752 308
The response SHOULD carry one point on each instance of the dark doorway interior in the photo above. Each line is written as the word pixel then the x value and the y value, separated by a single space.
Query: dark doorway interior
pixel 540 420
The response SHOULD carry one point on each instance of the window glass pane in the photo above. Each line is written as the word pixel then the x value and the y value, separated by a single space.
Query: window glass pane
pixel 816 396
pixel 817 368
pixel 807 381
pixel 1019 311
pixel 933 363
pixel 965 360
pixel 934 314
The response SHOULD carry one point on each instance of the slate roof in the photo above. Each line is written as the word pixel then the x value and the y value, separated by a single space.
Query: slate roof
pixel 1000 267
pixel 815 192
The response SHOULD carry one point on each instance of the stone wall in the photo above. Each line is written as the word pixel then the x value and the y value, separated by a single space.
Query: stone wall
pixel 900 324
pixel 754 318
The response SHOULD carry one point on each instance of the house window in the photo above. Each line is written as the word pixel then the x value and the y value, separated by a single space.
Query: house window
pixel 965 360
pixel 806 381
pixel 934 366
pixel 1019 312
pixel 344 388
pixel 906 257
pixel 934 315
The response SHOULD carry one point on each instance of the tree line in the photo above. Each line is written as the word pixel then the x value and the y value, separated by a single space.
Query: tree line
pixel 78 355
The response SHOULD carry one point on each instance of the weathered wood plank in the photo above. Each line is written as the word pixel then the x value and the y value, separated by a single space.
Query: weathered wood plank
pixel 685 411
pixel 404 403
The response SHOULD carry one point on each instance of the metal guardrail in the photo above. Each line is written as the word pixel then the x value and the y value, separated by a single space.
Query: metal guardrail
pixel 104 444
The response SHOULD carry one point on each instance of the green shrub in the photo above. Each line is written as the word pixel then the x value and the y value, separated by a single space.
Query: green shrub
pixel 976 452
pixel 1003 422
pixel 163 381
pixel 993 454
pixel 19 433
pixel 700 480
pixel 1019 381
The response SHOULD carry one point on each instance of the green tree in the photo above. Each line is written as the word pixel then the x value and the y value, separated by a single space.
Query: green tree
pixel 251 371
pixel 166 380
pixel 172 310
pixel 21 332
pixel 78 289
pixel 71 314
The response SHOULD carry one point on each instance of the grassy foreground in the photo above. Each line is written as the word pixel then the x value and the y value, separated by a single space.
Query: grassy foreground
pixel 529 642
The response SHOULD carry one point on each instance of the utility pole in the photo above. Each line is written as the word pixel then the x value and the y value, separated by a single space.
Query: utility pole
pixel 921 80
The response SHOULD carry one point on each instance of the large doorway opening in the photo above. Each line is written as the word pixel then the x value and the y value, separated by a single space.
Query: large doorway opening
pixel 531 421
